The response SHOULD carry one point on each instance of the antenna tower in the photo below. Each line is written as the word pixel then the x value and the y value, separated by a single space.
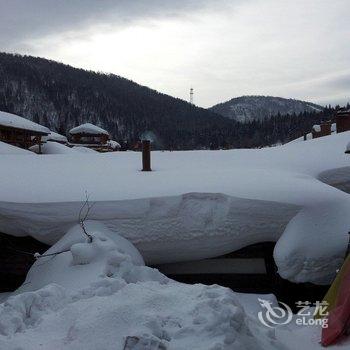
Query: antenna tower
pixel 191 96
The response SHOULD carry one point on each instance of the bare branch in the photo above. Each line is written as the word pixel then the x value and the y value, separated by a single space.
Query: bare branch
pixel 82 218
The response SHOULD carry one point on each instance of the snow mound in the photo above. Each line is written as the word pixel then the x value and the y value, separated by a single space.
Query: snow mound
pixel 53 148
pixel 54 136
pixel 99 295
pixel 6 148
pixel 82 149
pixel 15 121
pixel 113 144
pixel 88 128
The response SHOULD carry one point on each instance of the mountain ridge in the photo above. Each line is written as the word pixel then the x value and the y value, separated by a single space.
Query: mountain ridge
pixel 259 107
pixel 60 97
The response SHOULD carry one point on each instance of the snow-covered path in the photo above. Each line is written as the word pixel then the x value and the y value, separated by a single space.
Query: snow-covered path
pixel 194 204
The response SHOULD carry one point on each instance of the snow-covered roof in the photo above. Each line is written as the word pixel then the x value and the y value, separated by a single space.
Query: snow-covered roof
pixel 54 136
pixel 249 196
pixel 88 128
pixel 316 128
pixel 343 110
pixel 113 144
pixel 15 121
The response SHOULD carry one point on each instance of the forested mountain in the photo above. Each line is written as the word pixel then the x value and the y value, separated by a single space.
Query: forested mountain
pixel 61 97
pixel 249 108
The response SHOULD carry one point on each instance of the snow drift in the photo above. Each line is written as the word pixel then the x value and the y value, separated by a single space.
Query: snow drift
pixel 99 295
pixel 194 204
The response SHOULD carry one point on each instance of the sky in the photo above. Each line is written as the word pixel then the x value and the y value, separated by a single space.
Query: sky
pixel 222 48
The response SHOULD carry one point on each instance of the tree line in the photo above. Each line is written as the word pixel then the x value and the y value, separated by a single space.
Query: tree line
pixel 61 97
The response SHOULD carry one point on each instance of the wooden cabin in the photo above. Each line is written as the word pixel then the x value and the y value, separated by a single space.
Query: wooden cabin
pixel 342 118
pixel 90 136
pixel 21 132
pixel 324 129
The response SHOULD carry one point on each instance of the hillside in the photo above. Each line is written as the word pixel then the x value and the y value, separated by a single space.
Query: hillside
pixel 61 97
pixel 248 108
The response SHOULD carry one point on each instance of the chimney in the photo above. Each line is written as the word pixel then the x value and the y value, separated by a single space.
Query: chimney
pixel 146 155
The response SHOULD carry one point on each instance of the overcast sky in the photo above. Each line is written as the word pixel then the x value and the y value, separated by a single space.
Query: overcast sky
pixel 222 48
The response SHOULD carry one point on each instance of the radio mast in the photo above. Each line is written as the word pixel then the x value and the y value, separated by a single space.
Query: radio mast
pixel 191 96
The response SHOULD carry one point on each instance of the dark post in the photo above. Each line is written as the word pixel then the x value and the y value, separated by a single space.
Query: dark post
pixel 146 155
pixel 305 137
pixel 39 143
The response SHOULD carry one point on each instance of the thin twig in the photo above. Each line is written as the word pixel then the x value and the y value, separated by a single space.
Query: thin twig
pixel 82 219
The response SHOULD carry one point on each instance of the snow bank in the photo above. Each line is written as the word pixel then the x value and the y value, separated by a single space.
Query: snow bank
pixel 88 128
pixel 15 121
pixel 6 148
pixel 102 301
pixel 53 148
pixel 194 204
pixel 82 149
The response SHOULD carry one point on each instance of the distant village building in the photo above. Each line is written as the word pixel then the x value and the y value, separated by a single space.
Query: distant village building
pixel 21 132
pixel 321 130
pixel 342 118
pixel 91 136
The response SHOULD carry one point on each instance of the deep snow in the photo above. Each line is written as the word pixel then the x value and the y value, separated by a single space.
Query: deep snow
pixel 6 148
pixel 194 204
pixel 96 295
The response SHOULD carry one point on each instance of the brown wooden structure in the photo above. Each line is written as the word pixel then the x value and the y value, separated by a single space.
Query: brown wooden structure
pixel 146 155
pixel 342 118
pixel 21 132
pixel 90 136
pixel 22 138
pixel 325 128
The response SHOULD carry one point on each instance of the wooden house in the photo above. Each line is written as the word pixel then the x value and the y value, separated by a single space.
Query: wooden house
pixel 91 136
pixel 342 118
pixel 21 132
pixel 324 129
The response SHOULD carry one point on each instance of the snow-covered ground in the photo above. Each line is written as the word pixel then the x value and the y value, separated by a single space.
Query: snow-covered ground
pixel 99 295
pixel 194 204
pixel 6 148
